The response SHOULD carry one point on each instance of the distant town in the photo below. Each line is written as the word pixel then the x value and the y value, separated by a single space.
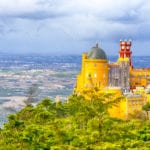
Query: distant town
pixel 19 74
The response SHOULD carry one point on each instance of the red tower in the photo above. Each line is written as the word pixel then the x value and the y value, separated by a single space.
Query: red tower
pixel 125 50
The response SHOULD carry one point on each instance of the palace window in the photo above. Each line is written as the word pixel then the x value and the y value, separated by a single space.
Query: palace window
pixel 88 75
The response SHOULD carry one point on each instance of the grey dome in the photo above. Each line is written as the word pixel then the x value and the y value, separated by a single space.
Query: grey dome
pixel 96 53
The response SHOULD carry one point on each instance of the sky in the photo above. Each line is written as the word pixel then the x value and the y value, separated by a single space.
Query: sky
pixel 73 26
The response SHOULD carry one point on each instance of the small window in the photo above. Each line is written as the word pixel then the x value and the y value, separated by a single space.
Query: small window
pixel 88 75
pixel 122 47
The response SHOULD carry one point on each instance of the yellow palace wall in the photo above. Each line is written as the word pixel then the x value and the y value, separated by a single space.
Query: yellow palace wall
pixel 139 77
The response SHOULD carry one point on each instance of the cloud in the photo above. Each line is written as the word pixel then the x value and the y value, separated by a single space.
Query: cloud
pixel 74 20
pixel 108 9
pixel 30 9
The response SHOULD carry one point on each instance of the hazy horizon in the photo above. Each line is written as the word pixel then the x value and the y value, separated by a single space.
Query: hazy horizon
pixel 61 54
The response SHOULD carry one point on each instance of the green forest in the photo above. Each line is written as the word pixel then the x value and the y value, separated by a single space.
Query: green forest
pixel 75 124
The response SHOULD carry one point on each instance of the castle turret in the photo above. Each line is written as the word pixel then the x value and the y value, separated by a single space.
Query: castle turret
pixel 125 51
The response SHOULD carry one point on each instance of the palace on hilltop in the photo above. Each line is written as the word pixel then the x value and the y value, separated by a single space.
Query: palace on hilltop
pixel 118 77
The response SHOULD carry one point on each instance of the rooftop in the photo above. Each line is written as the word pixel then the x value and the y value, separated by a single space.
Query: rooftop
pixel 96 53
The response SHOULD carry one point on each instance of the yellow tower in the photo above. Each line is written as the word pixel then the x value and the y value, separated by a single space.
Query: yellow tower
pixel 94 71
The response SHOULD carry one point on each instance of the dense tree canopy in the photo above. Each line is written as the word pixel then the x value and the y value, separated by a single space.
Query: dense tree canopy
pixel 77 124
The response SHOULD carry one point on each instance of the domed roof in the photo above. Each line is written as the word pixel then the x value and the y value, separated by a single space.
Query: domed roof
pixel 96 53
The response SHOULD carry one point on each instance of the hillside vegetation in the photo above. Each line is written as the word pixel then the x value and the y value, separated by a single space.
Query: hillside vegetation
pixel 77 124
